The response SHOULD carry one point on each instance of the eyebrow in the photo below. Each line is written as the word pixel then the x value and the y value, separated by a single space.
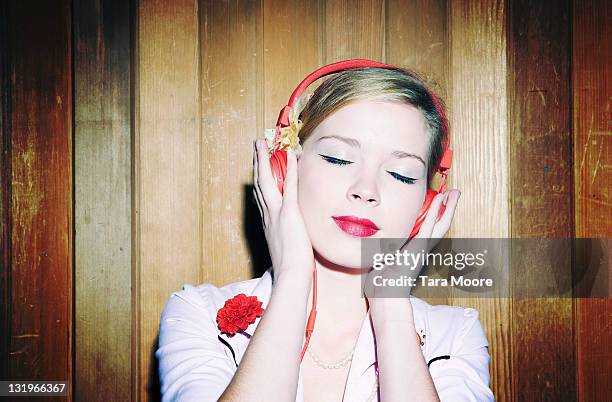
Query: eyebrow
pixel 355 144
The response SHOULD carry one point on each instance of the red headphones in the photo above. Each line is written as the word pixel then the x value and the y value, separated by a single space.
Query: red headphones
pixel 278 157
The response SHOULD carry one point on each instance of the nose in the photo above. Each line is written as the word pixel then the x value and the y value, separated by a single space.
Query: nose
pixel 364 190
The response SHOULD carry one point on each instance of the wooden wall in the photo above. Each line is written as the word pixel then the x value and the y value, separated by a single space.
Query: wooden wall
pixel 127 134
pixel 168 220
pixel 540 154
pixel 591 123
pixel 102 200
pixel 37 238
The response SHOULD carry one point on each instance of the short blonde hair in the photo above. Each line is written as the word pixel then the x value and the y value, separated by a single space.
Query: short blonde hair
pixel 373 83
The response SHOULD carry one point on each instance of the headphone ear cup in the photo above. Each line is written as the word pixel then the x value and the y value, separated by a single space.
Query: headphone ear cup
pixel 421 217
pixel 278 163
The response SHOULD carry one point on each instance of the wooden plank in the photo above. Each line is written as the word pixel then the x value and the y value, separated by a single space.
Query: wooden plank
pixel 592 118
pixel 232 71
pixel 5 195
pixel 291 51
pixel 416 38
pixel 102 200
pixel 592 124
pixel 540 200
pixel 40 121
pixel 477 113
pixel 353 30
pixel 167 209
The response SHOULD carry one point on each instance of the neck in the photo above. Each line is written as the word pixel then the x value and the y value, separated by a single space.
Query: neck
pixel 340 305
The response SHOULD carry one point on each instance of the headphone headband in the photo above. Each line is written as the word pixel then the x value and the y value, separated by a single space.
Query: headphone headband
pixel 283 117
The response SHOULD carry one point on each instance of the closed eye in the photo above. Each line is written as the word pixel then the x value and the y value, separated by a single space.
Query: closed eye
pixel 335 161
pixel 403 179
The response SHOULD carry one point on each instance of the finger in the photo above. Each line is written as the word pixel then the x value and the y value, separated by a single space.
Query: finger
pixel 290 186
pixel 256 190
pixel 254 161
pixel 430 219
pixel 268 189
pixel 257 178
pixel 261 213
pixel 444 223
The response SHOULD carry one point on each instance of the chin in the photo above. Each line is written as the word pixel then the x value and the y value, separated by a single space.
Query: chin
pixel 334 260
pixel 340 250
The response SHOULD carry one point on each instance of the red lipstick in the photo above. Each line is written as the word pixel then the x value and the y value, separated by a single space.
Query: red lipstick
pixel 355 226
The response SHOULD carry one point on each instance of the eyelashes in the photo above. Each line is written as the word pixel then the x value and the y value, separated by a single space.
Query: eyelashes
pixel 336 161
pixel 401 178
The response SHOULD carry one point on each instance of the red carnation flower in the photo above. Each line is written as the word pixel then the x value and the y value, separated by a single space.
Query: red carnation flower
pixel 238 313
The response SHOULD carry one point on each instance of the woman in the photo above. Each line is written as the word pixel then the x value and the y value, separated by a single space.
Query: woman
pixel 371 140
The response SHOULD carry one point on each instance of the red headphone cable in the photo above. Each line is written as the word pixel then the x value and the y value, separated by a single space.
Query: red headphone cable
pixel 313 312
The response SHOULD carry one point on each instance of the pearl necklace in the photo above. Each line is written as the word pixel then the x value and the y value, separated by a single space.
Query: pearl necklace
pixel 331 366
pixel 340 364
pixel 374 391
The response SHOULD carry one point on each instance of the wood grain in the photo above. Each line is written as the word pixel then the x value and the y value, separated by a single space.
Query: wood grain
pixel 231 77
pixel 5 196
pixel 543 365
pixel 416 37
pixel 353 30
pixel 592 138
pixel 102 144
pixel 592 117
pixel 291 51
pixel 167 198
pixel 477 110
pixel 40 122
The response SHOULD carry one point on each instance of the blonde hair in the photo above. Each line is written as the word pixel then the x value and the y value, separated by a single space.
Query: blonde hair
pixel 373 83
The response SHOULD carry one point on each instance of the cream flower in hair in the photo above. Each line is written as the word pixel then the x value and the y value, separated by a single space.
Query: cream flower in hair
pixel 289 136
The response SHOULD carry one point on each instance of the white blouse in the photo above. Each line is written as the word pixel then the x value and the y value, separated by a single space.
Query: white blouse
pixel 197 361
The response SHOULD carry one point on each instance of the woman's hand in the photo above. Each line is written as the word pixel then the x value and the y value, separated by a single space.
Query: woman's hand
pixel 429 235
pixel 288 241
